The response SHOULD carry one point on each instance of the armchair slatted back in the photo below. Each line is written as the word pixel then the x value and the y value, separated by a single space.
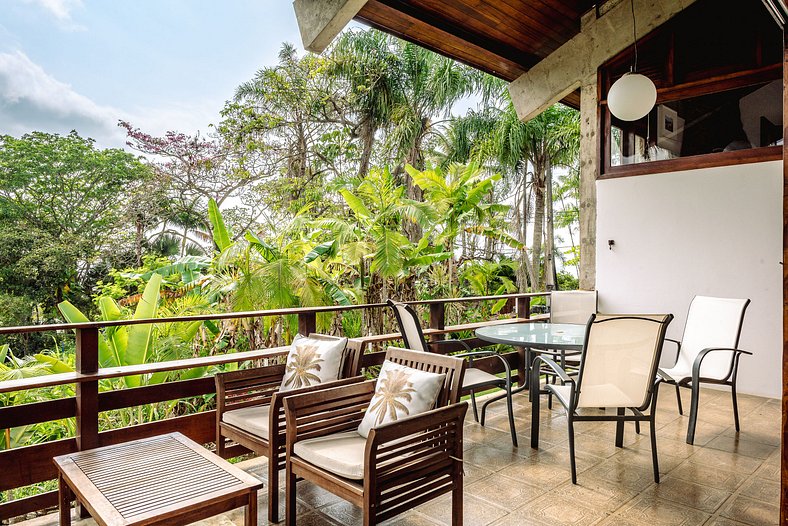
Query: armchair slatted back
pixel 453 368
pixel 620 359
pixel 572 306
pixel 712 322
pixel 409 326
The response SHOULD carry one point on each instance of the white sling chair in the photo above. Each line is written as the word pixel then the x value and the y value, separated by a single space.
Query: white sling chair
pixel 618 369
pixel 708 351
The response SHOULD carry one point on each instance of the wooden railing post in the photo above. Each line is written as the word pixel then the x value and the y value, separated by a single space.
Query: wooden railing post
pixel 87 362
pixel 437 318
pixel 524 307
pixel 307 323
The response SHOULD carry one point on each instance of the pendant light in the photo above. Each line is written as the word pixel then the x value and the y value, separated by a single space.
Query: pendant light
pixel 632 96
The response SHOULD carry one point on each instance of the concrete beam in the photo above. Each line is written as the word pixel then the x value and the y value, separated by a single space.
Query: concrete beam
pixel 600 39
pixel 589 170
pixel 321 20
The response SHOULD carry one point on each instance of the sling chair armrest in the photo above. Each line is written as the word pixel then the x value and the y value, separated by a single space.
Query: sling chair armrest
pixel 665 377
pixel 555 367
pixel 557 370
pixel 701 355
pixel 471 355
pixel 326 411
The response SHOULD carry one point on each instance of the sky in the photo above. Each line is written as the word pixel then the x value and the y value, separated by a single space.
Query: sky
pixel 161 65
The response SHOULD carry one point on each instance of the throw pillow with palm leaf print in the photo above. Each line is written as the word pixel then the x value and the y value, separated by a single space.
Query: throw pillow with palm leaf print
pixel 399 393
pixel 312 361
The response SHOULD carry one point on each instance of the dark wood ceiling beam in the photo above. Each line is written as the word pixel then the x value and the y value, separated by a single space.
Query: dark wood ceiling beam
pixel 521 58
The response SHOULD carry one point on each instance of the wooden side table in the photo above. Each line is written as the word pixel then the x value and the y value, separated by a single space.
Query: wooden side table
pixel 167 479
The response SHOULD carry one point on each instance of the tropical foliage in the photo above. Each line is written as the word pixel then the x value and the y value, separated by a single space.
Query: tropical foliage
pixel 338 179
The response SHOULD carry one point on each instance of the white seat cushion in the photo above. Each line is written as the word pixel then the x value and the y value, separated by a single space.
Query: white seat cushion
pixel 252 419
pixel 341 453
pixel 475 376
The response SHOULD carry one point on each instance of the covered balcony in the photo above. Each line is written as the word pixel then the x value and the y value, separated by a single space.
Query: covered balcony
pixel 686 201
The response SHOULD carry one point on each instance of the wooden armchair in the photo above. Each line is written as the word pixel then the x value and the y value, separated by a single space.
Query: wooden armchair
pixel 399 465
pixel 263 429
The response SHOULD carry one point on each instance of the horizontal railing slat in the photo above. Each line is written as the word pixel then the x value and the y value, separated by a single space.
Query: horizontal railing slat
pixel 252 314
pixel 18 507
pixel 37 412
pixel 151 394
pixel 31 464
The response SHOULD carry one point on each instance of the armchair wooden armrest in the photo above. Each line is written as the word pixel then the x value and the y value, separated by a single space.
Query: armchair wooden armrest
pixel 415 459
pixel 327 411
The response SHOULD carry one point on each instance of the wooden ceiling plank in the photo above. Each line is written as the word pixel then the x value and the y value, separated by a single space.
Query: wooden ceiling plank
pixel 521 58
pixel 565 22
pixel 512 26
pixel 390 21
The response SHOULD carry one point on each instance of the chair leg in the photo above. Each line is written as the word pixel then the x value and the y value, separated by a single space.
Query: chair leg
pixel 637 426
pixel 475 410
pixel 290 500
pixel 654 459
pixel 678 398
pixel 572 465
pixel 735 406
pixel 620 428
pixel 273 489
pixel 510 410
pixel 693 416
pixel 534 413
pixel 456 504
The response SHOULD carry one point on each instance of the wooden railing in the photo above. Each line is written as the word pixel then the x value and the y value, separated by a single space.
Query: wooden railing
pixel 32 464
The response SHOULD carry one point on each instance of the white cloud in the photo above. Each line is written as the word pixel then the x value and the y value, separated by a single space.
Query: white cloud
pixel 61 10
pixel 31 99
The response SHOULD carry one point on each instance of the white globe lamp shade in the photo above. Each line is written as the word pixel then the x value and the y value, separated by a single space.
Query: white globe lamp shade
pixel 631 97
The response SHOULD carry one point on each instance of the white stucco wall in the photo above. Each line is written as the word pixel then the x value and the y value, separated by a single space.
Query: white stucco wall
pixel 714 232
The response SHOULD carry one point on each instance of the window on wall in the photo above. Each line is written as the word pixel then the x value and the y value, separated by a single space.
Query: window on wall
pixel 728 121
pixel 719 93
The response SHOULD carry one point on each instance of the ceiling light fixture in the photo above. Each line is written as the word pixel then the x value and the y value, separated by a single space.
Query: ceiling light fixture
pixel 633 95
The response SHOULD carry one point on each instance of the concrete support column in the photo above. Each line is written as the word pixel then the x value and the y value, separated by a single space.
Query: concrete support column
pixel 589 169
pixel 321 20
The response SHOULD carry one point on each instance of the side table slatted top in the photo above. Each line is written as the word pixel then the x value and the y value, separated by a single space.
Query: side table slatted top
pixel 165 476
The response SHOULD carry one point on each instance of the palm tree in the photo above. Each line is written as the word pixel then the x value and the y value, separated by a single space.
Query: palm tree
pixel 458 196
pixel 364 59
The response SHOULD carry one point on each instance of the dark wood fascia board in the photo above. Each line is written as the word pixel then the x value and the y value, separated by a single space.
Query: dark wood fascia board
pixel 694 162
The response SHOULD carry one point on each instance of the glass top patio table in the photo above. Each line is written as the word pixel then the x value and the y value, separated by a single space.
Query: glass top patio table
pixel 560 336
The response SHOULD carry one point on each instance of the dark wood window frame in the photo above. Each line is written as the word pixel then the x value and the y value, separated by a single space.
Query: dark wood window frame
pixel 698 88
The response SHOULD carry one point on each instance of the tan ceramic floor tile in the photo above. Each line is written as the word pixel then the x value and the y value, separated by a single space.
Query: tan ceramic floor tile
pixel 690 494
pixel 410 519
pixel 476 512
pixel 657 512
pixel 596 493
pixel 743 447
pixel 709 475
pixel 548 510
pixel 751 511
pixel 723 521
pixel 761 489
pixel 490 458
pixel 506 493
pixel 726 460
pixel 624 474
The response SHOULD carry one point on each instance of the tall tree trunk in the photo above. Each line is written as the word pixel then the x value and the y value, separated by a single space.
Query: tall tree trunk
pixel 140 231
pixel 538 230
pixel 415 158
pixel 367 134
pixel 525 273
pixel 549 243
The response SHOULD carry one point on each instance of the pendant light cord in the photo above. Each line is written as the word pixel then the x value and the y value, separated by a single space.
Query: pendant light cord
pixel 634 36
